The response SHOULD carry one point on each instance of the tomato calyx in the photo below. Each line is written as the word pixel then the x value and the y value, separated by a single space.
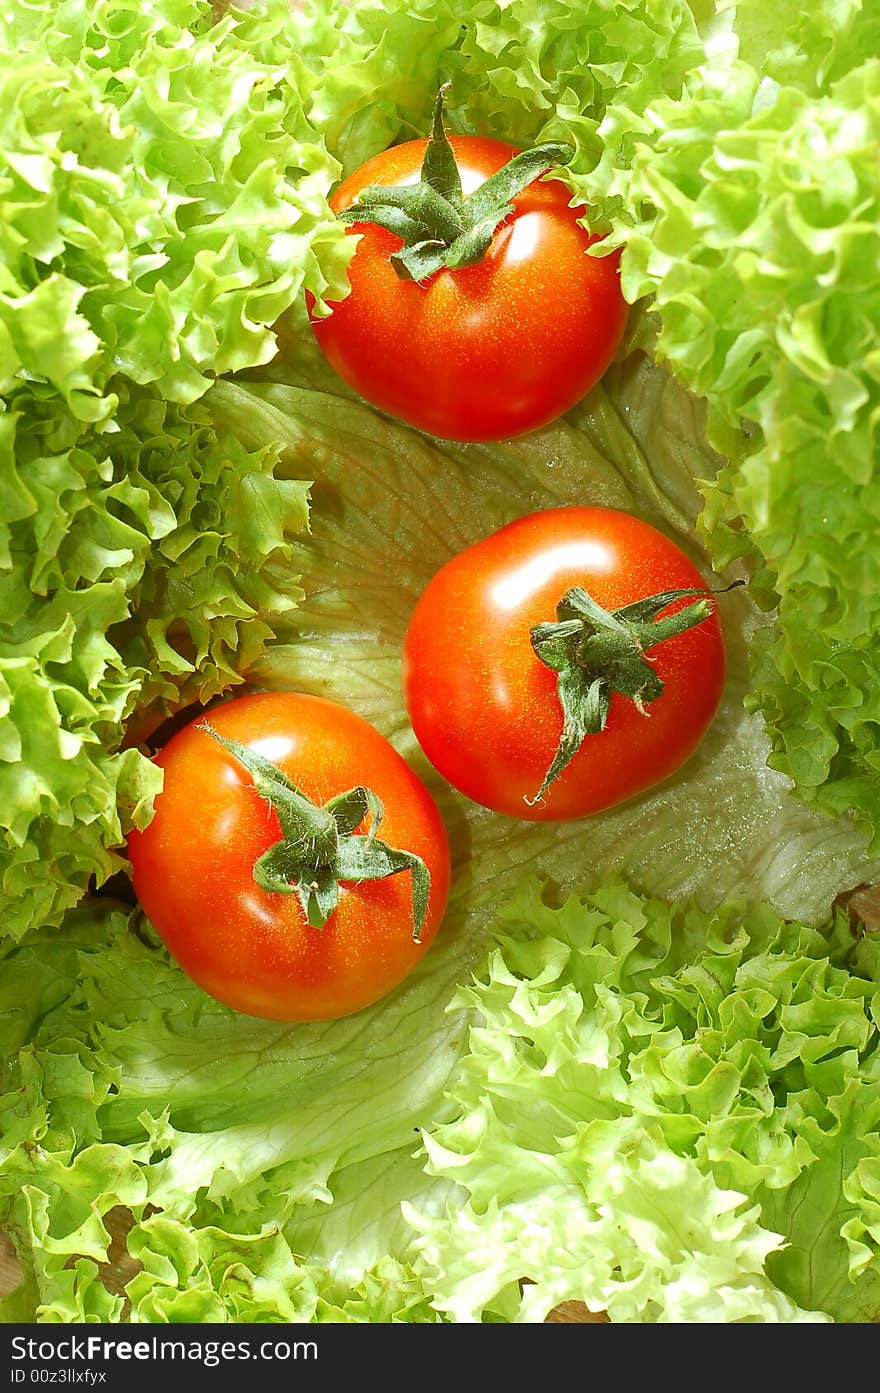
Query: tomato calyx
pixel 438 225
pixel 320 847
pixel 596 652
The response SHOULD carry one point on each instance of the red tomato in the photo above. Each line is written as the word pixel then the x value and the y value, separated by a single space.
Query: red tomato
pixel 485 351
pixel 193 865
pixel 485 708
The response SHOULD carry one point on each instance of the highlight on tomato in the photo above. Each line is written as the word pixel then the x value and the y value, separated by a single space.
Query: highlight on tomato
pixel 295 867
pixel 476 311
pixel 563 664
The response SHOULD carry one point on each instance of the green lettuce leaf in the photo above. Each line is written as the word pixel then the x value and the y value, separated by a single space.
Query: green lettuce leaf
pixel 218 1133
pixel 750 212
pixel 664 1115
pixel 162 202
pixel 163 199
pixel 144 568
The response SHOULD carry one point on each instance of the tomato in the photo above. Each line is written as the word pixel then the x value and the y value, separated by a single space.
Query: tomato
pixel 194 864
pixel 485 351
pixel 486 709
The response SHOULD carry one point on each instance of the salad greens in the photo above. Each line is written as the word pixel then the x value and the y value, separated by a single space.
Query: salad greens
pixel 659 1093
pixel 153 226
pixel 646 1116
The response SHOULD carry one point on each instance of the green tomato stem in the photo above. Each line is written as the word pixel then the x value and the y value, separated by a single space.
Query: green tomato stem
pixel 319 848
pixel 596 652
pixel 437 224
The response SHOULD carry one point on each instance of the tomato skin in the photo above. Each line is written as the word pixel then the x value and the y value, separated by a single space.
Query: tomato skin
pixel 485 708
pixel 193 864
pixel 487 351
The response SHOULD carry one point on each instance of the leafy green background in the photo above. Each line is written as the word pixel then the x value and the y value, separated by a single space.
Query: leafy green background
pixel 166 537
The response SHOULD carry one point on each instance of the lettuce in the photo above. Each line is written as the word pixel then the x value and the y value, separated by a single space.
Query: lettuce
pixel 675 1108
pixel 162 202
pixel 163 199
pixel 757 204
pixel 144 566
pixel 129 1088
pixel 646 1116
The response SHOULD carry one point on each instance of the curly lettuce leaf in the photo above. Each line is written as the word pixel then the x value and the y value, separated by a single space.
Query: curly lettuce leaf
pixel 661 1114
pixel 224 1137
pixel 514 65
pixel 162 199
pixel 162 202
pixel 750 213
pixel 144 568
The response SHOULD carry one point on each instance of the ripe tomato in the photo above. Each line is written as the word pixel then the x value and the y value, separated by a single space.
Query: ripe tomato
pixel 486 709
pixel 194 864
pixel 485 351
